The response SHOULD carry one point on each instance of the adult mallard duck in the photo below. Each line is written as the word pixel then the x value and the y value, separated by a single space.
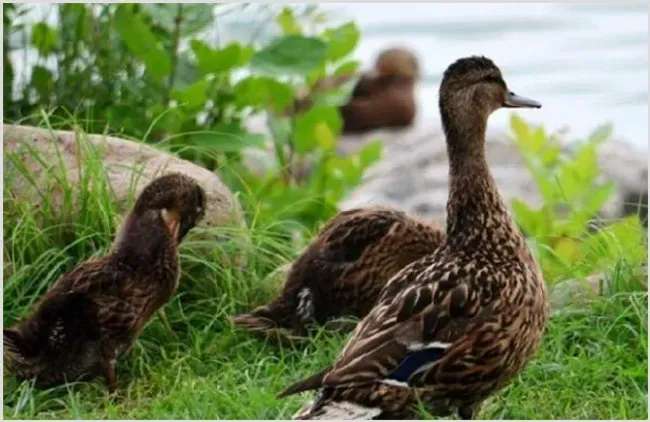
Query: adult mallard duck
pixel 92 315
pixel 383 98
pixel 456 326
pixel 342 271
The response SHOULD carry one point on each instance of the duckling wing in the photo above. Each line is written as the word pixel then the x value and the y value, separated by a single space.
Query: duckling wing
pixel 408 334
pixel 123 302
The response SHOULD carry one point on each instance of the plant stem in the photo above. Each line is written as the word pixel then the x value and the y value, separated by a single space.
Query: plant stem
pixel 176 35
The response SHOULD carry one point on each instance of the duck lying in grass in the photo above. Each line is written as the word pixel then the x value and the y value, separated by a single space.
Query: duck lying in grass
pixel 384 98
pixel 342 271
pixel 456 326
pixel 92 315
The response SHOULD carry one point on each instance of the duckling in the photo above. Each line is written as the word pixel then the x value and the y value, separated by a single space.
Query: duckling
pixel 92 315
pixel 384 98
pixel 456 326
pixel 342 271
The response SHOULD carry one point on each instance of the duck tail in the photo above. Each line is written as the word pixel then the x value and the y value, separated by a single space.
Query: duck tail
pixel 312 383
pixel 272 322
pixel 45 335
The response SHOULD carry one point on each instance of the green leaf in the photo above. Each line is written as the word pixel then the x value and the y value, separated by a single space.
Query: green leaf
pixel 291 55
pixel 43 38
pixel 263 91
pixel 194 95
pixel 324 136
pixel 528 219
pixel 349 67
pixel 288 23
pixel 139 39
pixel 306 123
pixel 370 154
pixel 519 127
pixel 341 41
pixel 42 81
pixel 336 97
pixel 227 138
pixel 214 61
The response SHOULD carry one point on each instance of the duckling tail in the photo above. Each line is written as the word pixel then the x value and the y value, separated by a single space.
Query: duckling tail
pixel 47 332
pixel 312 383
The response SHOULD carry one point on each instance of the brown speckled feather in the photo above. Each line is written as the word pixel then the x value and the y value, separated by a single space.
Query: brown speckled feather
pixel 456 326
pixel 92 315
pixel 341 273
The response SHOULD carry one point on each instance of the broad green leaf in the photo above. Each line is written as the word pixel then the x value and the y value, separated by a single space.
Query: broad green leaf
pixel 42 81
pixel 324 136
pixel 227 138
pixel 214 61
pixel 597 198
pixel 336 97
pixel 193 96
pixel 305 125
pixel 263 91
pixel 347 68
pixel 519 127
pixel 528 219
pixel 288 23
pixel 139 39
pixel 370 154
pixel 291 55
pixel 341 41
pixel 43 38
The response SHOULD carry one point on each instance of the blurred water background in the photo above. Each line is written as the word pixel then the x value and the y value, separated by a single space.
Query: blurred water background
pixel 586 63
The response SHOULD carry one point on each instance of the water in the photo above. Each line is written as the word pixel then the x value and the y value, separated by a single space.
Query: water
pixel 586 63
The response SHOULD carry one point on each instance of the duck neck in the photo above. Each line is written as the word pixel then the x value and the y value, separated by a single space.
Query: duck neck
pixel 143 242
pixel 476 214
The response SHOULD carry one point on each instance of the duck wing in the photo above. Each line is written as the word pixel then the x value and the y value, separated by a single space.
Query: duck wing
pixel 345 237
pixel 409 332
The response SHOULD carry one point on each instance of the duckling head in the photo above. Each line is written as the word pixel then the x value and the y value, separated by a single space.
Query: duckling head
pixel 397 62
pixel 178 198
pixel 472 88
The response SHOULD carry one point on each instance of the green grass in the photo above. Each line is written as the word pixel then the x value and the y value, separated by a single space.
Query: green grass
pixel 593 363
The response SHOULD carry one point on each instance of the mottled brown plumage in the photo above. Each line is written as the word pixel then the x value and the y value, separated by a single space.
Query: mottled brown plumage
pixel 384 98
pixel 343 270
pixel 456 326
pixel 92 315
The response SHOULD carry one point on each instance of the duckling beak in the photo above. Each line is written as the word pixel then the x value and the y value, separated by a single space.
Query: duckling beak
pixel 513 100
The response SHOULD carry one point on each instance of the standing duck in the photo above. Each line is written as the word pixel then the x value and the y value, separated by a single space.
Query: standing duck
pixel 456 326
pixel 92 315
pixel 342 271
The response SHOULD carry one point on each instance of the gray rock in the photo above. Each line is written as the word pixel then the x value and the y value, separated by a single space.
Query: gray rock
pixel 128 165
pixel 413 174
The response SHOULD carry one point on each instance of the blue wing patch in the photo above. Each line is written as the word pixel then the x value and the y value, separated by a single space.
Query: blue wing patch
pixel 414 361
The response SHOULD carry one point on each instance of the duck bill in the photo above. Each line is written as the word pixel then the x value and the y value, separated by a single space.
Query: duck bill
pixel 513 100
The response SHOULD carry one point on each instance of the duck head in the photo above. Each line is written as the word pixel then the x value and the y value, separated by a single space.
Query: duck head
pixel 472 88
pixel 399 63
pixel 178 198
pixel 476 84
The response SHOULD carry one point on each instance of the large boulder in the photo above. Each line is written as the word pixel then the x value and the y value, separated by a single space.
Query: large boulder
pixel 128 165
pixel 414 173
